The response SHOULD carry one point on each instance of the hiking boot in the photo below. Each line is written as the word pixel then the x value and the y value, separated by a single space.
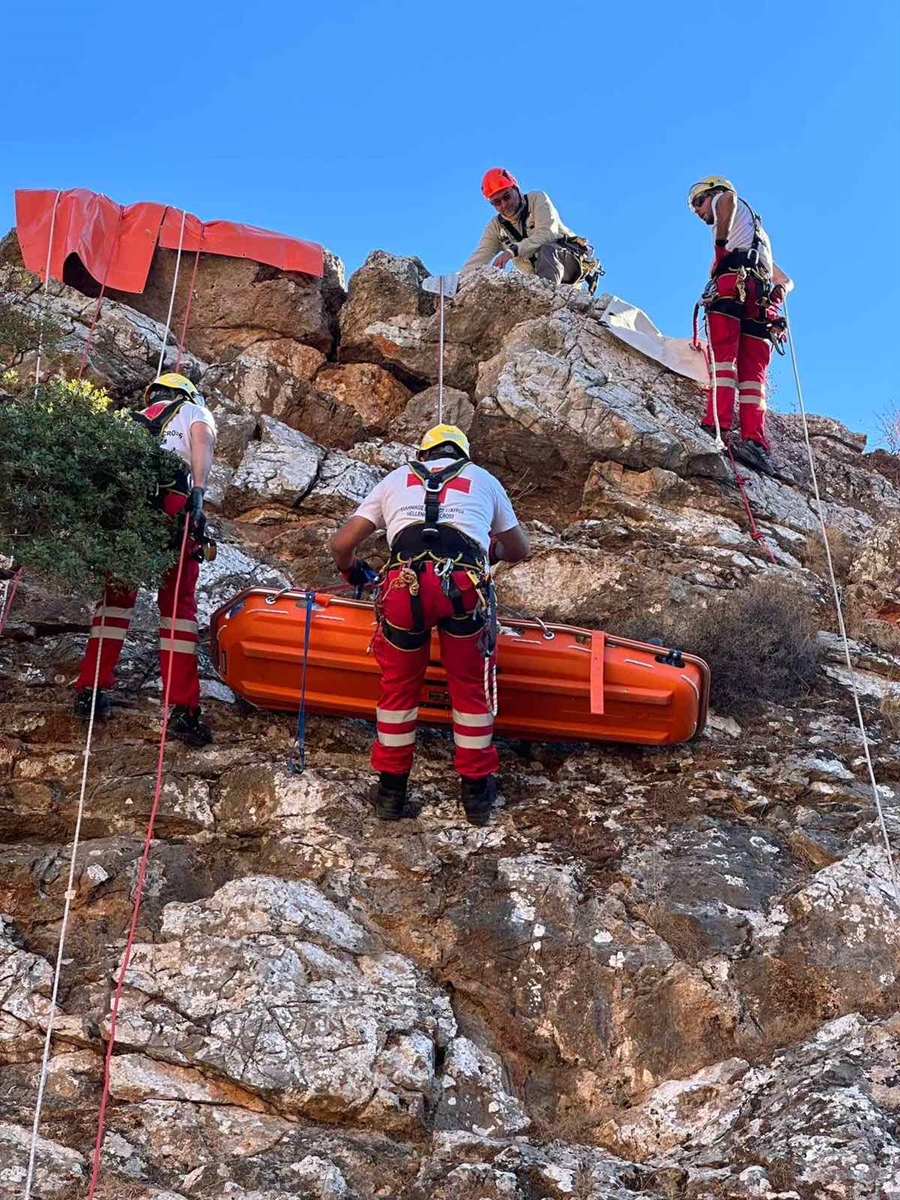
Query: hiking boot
pixel 185 724
pixel 390 798
pixel 752 454
pixel 82 706
pixel 478 796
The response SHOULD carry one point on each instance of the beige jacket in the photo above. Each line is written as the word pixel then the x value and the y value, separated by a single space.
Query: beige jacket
pixel 542 226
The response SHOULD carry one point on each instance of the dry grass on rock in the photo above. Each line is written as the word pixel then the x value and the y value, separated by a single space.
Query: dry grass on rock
pixel 760 643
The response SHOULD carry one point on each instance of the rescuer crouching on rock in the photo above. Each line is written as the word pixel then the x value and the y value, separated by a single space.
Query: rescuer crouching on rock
pixel 446 519
pixel 527 232
pixel 176 413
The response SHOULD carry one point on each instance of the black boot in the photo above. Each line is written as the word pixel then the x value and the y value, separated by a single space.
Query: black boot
pixel 186 725
pixel 390 798
pixel 752 454
pixel 478 796
pixel 82 706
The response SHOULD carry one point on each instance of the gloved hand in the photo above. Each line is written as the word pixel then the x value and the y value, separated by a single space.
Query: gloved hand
pixel 195 515
pixel 721 252
pixel 360 574
pixel 776 296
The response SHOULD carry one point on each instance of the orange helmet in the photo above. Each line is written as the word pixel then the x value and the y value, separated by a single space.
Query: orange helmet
pixel 496 180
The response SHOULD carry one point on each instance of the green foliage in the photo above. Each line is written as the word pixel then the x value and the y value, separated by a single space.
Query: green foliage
pixel 20 334
pixel 76 485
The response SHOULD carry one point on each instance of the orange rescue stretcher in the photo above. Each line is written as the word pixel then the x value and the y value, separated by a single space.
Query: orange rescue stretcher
pixel 555 683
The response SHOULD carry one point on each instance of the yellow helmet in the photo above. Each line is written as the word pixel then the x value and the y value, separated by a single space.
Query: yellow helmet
pixel 706 185
pixel 174 383
pixel 445 433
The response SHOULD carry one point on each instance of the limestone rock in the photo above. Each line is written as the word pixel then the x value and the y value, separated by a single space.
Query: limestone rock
pixel 822 1113
pixel 474 1096
pixel 124 353
pixel 383 286
pixel 280 469
pixel 291 999
pixel 369 390
pixel 238 302
pixel 557 397
pixel 341 485
pixel 260 384
pixel 59 1169
pixel 422 412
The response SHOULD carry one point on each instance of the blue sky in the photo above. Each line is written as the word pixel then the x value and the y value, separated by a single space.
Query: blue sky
pixel 369 124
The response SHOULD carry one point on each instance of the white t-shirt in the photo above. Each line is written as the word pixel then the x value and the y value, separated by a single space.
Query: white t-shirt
pixel 741 235
pixel 177 434
pixel 474 502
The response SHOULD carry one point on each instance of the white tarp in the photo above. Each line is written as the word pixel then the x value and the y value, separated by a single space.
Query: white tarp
pixel 635 327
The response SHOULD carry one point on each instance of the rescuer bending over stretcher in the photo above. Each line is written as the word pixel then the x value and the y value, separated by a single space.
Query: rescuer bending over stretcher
pixel 445 518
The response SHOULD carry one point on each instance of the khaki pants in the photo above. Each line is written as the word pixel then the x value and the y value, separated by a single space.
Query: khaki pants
pixel 557 264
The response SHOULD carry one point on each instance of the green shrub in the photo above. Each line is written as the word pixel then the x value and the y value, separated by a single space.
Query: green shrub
pixel 76 485
pixel 760 643
pixel 20 334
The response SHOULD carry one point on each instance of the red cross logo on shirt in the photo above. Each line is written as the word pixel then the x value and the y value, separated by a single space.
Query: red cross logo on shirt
pixel 460 485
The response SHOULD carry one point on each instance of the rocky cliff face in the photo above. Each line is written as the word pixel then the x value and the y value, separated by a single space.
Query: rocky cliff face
pixel 657 974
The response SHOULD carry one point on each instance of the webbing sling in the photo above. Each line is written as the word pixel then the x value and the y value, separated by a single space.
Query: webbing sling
pixel 433 482
pixel 157 425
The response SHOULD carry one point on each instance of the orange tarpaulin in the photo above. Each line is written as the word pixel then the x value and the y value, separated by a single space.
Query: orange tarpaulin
pixel 116 242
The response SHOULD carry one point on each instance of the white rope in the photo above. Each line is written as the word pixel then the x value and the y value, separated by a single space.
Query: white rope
pixel 441 358
pixel 490 676
pixel 44 282
pixel 840 615
pixel 42 1082
pixel 162 352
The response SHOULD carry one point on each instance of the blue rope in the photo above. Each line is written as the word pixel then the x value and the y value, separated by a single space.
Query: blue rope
pixel 297 761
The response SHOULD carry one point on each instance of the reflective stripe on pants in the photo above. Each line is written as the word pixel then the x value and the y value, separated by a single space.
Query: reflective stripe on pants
pixel 116 608
pixel 738 356
pixel 403 674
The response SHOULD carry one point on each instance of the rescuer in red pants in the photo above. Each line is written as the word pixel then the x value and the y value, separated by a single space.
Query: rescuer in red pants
pixel 437 575
pixel 743 316
pixel 178 415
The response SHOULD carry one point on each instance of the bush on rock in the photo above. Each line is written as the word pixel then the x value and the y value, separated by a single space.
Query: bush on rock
pixel 76 489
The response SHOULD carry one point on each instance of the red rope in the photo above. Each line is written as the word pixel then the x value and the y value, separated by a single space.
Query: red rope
pixel 139 887
pixel 10 596
pixel 187 311
pixel 90 337
pixel 740 480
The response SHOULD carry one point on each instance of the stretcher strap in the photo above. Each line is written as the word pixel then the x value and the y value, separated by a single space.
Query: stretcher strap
pixel 598 651
pixel 297 758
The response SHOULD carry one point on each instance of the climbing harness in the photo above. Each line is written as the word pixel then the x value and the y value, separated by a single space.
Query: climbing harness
pixel 840 615
pixel 64 925
pixel 43 289
pixel 297 756
pixel 139 888
pixel 589 265
pixel 434 483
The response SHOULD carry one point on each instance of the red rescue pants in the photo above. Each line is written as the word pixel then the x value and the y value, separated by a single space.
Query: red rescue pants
pixel 740 352
pixel 403 673
pixel 114 611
